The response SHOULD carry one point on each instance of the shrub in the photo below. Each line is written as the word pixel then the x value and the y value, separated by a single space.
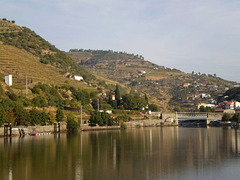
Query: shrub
pixel 59 115
pixel 236 117
pixel 153 107
pixel 72 124
pixel 100 118
pixel 124 118
pixel 226 117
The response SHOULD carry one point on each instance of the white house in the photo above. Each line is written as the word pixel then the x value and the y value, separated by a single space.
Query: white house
pixel 113 97
pixel 78 78
pixel 8 80
pixel 236 105
pixel 206 105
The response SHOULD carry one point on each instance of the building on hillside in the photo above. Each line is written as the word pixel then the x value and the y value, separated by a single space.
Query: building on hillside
pixel 105 92
pixel 113 97
pixel 229 105
pixel 78 78
pixel 203 95
pixel 229 111
pixel 107 111
pixel 236 105
pixel 140 73
pixel 8 80
pixel 185 85
pixel 233 105
pixel 206 105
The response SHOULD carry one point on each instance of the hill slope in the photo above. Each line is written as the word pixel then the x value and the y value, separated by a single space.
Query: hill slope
pixel 23 51
pixel 28 40
pixel 170 88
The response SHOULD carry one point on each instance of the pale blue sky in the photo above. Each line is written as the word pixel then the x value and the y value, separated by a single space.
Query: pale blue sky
pixel 190 35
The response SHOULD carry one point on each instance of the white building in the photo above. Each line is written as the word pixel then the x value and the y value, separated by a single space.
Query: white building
pixel 206 105
pixel 78 78
pixel 8 80
pixel 236 105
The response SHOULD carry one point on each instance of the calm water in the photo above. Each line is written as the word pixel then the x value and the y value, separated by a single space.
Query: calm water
pixel 133 154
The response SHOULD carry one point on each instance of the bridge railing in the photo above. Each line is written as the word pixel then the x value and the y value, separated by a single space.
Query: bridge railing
pixel 189 114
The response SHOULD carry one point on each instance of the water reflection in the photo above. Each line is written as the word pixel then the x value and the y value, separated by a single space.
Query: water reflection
pixel 144 153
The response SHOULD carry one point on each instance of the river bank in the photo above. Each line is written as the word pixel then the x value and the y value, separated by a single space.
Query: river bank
pixel 39 130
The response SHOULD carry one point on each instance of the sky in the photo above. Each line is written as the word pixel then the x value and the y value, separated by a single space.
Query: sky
pixel 190 35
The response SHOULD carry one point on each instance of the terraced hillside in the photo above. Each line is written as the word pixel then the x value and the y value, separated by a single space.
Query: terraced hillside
pixel 19 62
pixel 171 89
pixel 23 52
pixel 28 40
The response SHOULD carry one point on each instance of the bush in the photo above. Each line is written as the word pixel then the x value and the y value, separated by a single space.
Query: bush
pixel 59 115
pixel 44 61
pixel 236 117
pixel 124 118
pixel 72 124
pixel 100 118
pixel 38 117
pixel 39 101
pixel 226 117
pixel 153 107
pixel 122 125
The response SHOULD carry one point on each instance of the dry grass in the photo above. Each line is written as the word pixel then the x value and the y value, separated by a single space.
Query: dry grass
pixel 19 62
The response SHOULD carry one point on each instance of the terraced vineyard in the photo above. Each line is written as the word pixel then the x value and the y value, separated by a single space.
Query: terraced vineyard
pixel 164 86
pixel 19 62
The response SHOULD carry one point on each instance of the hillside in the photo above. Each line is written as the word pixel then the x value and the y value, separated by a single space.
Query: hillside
pixel 171 89
pixel 48 72
pixel 231 94
pixel 23 52
pixel 26 39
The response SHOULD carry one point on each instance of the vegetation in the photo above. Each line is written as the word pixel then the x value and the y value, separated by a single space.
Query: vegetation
pixel 59 115
pixel 134 102
pixel 206 109
pixel 101 119
pixel 153 107
pixel 233 118
pixel 24 38
pixel 20 110
pixel 123 118
pixel 231 94
pixel 236 117
pixel 72 124
pixel 226 117
pixel 163 86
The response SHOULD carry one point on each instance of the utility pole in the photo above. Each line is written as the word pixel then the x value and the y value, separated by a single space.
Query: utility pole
pixel 26 85
pixel 81 114
pixel 98 104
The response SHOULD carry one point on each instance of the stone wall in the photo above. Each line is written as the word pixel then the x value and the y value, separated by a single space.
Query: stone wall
pixel 148 123
pixel 31 129
pixel 215 115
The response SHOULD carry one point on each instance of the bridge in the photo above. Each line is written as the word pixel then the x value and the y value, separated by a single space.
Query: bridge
pixel 189 117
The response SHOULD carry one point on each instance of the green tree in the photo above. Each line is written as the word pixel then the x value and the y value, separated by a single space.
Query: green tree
pixel 153 107
pixel 3 117
pixel 100 118
pixel 226 117
pixel 72 124
pixel 146 98
pixel 59 115
pixel 117 95
pixel 202 109
pixel 40 101
pixel 22 115
pixel 236 117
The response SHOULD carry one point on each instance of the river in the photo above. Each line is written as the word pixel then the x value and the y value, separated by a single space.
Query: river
pixel 132 154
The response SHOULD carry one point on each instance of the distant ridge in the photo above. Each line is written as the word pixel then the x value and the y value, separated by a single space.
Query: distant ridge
pixel 170 88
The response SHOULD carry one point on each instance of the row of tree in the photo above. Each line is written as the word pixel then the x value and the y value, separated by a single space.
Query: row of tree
pixel 229 117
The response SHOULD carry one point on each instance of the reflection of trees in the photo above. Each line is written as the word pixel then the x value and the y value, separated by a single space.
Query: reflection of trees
pixel 129 154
